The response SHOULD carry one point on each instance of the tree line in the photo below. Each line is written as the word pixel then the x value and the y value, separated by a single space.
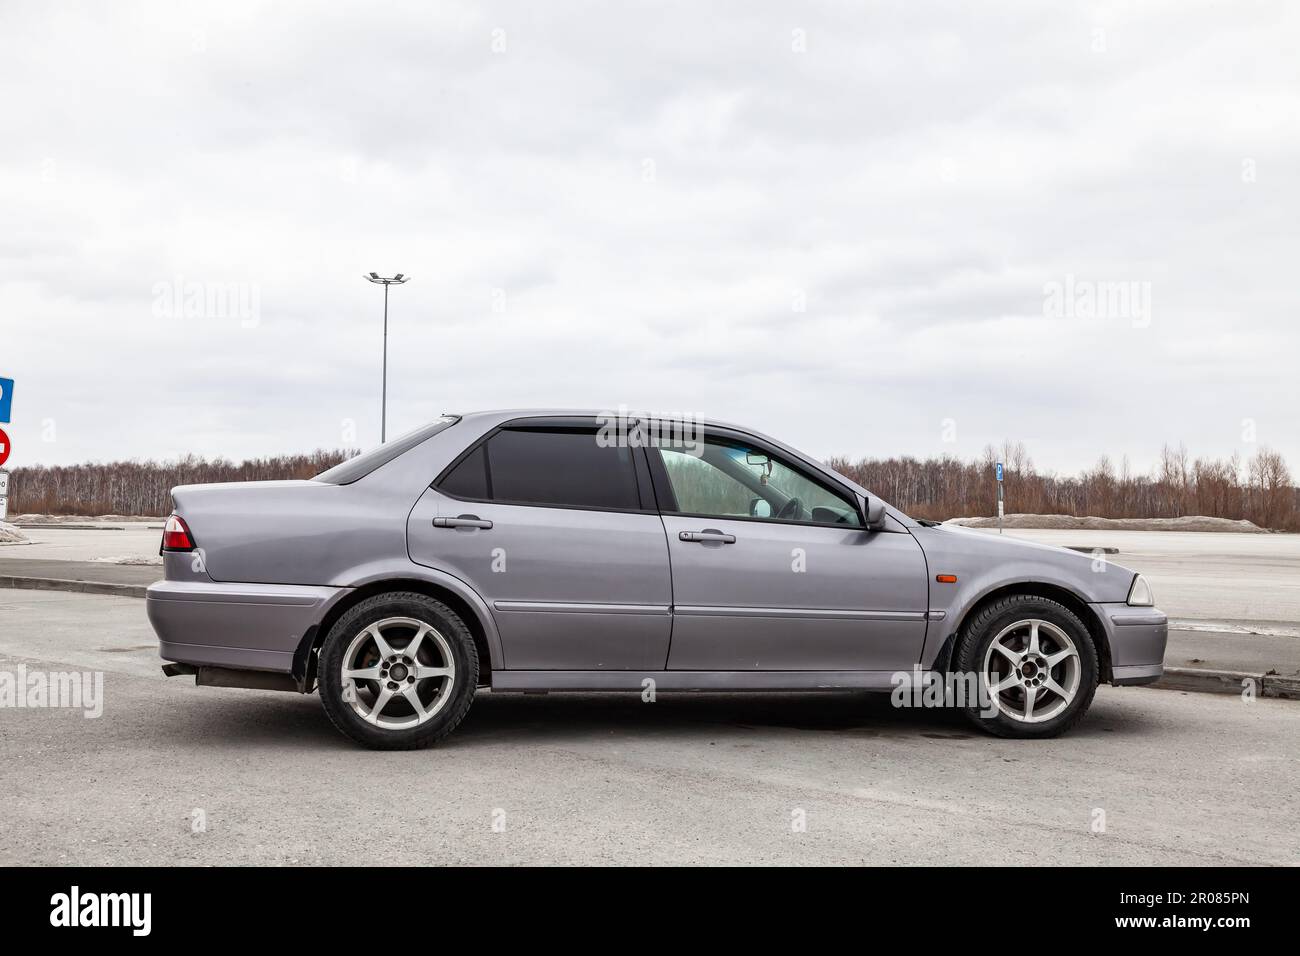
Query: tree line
pixel 144 487
pixel 1259 489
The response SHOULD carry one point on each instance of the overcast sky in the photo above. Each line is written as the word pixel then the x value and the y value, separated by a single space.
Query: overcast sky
pixel 865 229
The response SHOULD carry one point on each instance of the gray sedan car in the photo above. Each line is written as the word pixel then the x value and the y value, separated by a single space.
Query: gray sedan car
pixel 575 551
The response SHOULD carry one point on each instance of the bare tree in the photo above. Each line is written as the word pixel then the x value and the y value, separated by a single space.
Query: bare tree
pixel 1272 494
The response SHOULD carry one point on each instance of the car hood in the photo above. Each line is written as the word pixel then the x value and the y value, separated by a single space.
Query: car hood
pixel 984 562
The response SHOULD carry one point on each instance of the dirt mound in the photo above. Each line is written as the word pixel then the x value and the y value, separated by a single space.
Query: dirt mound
pixel 1072 523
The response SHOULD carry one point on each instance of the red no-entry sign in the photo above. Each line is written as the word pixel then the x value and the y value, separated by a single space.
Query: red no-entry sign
pixel 4 447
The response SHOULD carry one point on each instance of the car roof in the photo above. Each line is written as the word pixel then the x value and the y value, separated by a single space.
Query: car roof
pixel 507 414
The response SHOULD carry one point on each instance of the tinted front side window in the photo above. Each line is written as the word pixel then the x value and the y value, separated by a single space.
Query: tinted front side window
pixel 702 489
pixel 551 467
pixel 725 478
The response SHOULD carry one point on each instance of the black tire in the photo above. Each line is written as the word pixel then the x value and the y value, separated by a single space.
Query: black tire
pixel 980 630
pixel 403 604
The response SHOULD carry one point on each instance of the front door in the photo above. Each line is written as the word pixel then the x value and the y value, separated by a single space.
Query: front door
pixel 550 527
pixel 773 570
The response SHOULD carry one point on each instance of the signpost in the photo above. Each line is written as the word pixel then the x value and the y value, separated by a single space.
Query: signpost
pixel 6 407
pixel 999 474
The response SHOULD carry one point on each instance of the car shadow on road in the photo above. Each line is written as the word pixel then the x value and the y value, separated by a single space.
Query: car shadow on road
pixel 697 714
pixel 254 718
pixel 558 718
pixel 701 714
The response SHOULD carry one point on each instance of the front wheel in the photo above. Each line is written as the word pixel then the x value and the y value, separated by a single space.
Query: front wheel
pixel 398 671
pixel 1036 663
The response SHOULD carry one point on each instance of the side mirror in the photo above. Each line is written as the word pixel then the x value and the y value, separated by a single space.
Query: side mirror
pixel 873 512
pixel 760 508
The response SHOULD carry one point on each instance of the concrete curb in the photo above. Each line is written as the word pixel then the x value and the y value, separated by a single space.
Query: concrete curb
pixel 1228 682
pixel 80 587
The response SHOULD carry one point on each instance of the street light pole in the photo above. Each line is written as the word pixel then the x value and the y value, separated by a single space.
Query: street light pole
pixel 383 400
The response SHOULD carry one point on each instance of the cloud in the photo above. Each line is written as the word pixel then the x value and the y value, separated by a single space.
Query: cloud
pixel 835 223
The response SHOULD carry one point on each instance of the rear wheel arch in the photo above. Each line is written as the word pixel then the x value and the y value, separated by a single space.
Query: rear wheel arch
pixel 1052 592
pixel 304 658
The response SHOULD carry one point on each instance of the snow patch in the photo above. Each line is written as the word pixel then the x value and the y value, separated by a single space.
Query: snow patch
pixel 12 534
pixel 1020 522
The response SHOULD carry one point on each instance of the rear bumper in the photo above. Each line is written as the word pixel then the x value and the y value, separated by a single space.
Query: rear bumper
pixel 248 626
pixel 1137 637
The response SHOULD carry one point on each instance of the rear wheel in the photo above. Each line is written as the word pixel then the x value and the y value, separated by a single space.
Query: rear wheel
pixel 398 671
pixel 1037 667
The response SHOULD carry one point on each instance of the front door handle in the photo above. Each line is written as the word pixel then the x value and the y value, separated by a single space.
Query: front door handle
pixel 708 536
pixel 464 521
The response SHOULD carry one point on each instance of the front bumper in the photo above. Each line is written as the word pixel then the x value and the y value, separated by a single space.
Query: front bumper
pixel 245 626
pixel 1137 637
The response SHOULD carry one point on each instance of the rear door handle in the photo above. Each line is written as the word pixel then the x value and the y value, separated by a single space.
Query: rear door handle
pixel 464 521
pixel 708 536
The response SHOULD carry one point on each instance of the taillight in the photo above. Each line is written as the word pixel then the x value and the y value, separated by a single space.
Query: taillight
pixel 176 536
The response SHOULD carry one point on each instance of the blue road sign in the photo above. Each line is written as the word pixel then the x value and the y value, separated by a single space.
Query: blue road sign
pixel 6 398
pixel 999 471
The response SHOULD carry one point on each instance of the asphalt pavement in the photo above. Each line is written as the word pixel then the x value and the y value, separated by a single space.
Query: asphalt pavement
pixel 173 773
pixel 59 570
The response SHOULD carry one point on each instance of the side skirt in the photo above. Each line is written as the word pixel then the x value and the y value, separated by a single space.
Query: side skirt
pixel 508 680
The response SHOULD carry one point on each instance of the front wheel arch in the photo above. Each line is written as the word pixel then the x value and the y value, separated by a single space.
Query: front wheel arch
pixel 1065 664
pixel 1053 592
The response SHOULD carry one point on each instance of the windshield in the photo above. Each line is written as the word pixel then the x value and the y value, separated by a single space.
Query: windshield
pixel 356 468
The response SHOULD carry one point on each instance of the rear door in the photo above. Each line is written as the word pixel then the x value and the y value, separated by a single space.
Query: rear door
pixel 557 531
pixel 773 569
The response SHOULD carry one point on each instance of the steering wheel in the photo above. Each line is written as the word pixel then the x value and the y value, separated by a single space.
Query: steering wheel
pixel 792 509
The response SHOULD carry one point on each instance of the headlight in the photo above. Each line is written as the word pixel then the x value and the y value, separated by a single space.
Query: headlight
pixel 1139 595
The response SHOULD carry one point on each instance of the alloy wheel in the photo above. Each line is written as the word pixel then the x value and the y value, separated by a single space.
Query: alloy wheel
pixel 1032 671
pixel 398 673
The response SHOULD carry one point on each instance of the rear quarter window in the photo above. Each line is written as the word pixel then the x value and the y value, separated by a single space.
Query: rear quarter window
pixel 356 468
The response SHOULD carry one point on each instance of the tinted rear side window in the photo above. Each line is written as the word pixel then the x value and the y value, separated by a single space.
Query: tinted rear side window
pixel 547 466
pixel 469 478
